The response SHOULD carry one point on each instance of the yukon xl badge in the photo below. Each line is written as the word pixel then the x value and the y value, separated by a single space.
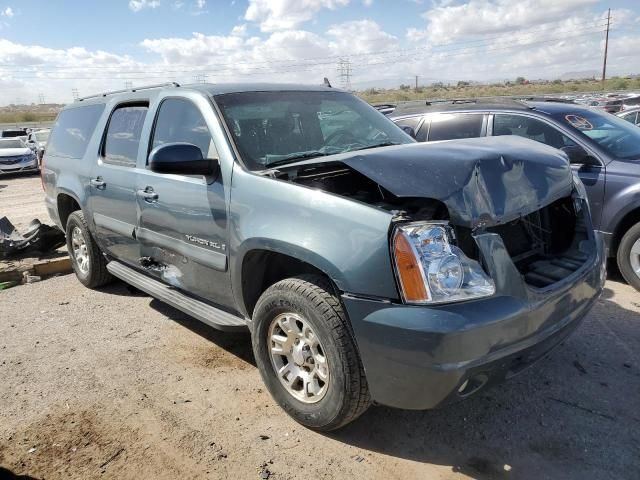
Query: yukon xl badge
pixel 208 243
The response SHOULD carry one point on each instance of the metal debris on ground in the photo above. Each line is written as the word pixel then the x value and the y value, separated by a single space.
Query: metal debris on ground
pixel 36 238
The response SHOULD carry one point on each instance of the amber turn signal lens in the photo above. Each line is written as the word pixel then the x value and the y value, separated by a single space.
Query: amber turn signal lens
pixel 412 283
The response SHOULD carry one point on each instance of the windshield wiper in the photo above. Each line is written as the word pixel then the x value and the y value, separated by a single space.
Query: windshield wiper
pixel 376 145
pixel 298 156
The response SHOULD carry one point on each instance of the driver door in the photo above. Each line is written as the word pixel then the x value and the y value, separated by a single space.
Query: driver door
pixel 182 219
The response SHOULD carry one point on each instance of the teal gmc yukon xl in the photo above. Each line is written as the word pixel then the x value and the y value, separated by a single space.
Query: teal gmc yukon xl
pixel 367 267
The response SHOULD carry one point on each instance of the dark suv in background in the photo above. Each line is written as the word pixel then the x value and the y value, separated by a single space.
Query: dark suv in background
pixel 604 151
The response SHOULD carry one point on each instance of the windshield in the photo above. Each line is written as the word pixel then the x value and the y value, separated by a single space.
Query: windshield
pixel 13 133
pixel 41 136
pixel 617 137
pixel 271 128
pixel 13 143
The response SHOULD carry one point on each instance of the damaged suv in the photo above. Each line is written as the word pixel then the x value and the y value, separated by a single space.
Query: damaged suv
pixel 368 267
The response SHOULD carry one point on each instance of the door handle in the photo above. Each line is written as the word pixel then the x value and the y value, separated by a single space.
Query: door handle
pixel 98 183
pixel 148 195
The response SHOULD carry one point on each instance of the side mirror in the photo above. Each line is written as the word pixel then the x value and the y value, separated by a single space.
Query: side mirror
pixel 578 155
pixel 409 131
pixel 182 159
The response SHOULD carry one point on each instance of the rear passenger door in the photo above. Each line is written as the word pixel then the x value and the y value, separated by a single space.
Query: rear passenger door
pixel 113 182
pixel 182 225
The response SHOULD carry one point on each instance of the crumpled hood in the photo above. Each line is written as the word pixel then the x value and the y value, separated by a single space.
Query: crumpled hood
pixel 14 152
pixel 482 181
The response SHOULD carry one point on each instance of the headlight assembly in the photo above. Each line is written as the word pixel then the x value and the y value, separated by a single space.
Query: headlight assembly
pixel 431 269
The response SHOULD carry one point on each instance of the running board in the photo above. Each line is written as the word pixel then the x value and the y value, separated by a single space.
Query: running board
pixel 204 312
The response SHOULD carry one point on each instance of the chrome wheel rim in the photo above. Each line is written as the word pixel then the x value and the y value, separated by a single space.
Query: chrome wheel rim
pixel 298 358
pixel 80 253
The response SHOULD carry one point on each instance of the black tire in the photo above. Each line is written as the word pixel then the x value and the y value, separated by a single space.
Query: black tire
pixel 96 275
pixel 347 394
pixel 623 256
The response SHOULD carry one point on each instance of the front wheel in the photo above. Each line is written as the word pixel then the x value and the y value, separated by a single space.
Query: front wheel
pixel 306 353
pixel 628 256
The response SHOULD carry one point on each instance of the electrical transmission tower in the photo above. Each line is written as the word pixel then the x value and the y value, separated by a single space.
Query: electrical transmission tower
pixel 76 95
pixel 128 85
pixel 344 73
pixel 200 78
pixel 41 99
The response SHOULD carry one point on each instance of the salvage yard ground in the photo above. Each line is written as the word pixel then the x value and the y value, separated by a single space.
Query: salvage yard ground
pixel 114 384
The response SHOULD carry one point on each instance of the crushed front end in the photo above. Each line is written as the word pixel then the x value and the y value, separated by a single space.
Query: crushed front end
pixel 507 275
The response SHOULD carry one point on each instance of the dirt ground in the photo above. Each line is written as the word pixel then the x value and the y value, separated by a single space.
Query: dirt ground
pixel 114 384
pixel 22 199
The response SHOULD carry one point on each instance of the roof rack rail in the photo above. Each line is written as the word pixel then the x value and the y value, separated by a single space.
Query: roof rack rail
pixel 546 99
pixel 462 101
pixel 133 89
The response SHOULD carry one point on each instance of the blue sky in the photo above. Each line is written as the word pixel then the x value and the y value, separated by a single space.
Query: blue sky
pixel 52 47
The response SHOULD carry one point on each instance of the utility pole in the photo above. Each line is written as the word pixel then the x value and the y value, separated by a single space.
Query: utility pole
pixel 41 99
pixel 416 83
pixel 606 47
pixel 76 95
pixel 128 85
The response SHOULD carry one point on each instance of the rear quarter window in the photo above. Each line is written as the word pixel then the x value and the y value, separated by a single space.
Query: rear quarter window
pixel 72 131
pixel 451 126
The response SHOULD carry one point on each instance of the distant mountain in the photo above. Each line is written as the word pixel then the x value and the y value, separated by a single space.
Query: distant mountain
pixel 580 75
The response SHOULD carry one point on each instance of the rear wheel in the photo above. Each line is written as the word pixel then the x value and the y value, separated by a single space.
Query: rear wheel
pixel 87 260
pixel 306 353
pixel 628 256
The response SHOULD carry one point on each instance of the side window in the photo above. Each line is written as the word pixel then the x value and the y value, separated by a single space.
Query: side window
pixel 531 128
pixel 450 126
pixel 72 131
pixel 631 118
pixel 123 135
pixel 412 122
pixel 179 120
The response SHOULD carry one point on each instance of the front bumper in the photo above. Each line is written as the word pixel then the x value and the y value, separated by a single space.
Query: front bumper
pixel 30 165
pixel 419 357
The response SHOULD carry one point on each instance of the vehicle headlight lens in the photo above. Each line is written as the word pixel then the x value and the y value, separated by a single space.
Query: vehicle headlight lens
pixel 431 269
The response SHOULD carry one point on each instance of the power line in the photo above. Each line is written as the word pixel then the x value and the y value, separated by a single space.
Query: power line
pixel 315 61
pixel 479 49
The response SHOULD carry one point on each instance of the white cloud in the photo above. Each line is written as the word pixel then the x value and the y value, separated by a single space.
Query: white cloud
pixel 367 3
pixel 137 5
pixel 449 22
pixel 360 36
pixel 7 12
pixel 301 56
pixel 276 15
pixel 239 30
pixel 201 4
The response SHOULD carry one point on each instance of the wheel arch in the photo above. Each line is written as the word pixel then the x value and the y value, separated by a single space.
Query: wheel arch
pixel 261 267
pixel 627 220
pixel 66 204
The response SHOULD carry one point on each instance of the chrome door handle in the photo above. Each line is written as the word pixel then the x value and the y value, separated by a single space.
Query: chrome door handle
pixel 148 195
pixel 98 183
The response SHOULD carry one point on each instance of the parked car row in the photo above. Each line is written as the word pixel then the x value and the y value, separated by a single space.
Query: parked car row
pixel 21 149
pixel 602 148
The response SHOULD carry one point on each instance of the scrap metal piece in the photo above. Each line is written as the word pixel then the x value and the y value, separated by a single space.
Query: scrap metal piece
pixel 37 238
